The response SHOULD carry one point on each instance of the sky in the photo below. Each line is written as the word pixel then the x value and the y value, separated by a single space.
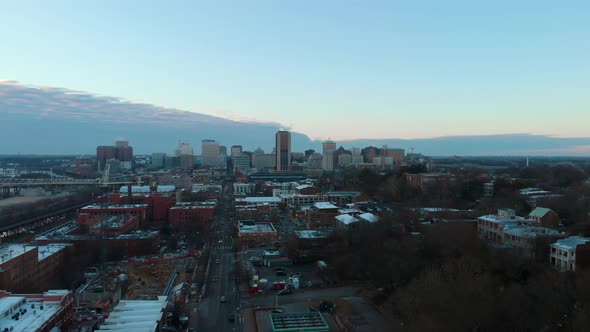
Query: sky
pixel 328 69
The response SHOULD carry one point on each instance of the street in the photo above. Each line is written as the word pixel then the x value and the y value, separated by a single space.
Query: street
pixel 218 309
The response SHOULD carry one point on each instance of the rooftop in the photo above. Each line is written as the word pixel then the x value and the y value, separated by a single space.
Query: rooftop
pixel 135 315
pixel 146 189
pixel 531 231
pixel 298 321
pixel 539 212
pixel 324 205
pixel 33 319
pixel 144 234
pixel 343 193
pixel 111 222
pixel 257 228
pixel 570 243
pixel 11 251
pixel 494 218
pixel 266 199
pixel 312 234
pixel 114 206
pixel 369 217
pixel 194 205
pixel 346 219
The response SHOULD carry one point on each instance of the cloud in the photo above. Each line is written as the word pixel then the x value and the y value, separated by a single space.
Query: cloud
pixel 43 101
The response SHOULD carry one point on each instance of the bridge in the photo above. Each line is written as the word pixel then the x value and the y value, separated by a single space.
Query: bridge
pixel 20 183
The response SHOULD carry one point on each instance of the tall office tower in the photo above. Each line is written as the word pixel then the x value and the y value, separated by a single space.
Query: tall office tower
pixel 121 152
pixel 210 153
pixel 357 157
pixel 236 150
pixel 121 143
pixel 256 155
pixel 104 153
pixel 158 159
pixel 283 148
pixel 328 155
pixel 185 153
pixel 241 162
pixel 223 150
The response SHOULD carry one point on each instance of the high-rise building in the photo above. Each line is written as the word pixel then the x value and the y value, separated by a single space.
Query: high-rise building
pixel 223 150
pixel 344 159
pixel 283 150
pixel 210 153
pixel 104 153
pixel 357 157
pixel 158 159
pixel 121 152
pixel 241 162
pixel 121 143
pixel 236 150
pixel 185 153
pixel 328 156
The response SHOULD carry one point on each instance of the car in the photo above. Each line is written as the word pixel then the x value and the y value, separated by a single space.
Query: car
pixel 231 317
pixel 278 311
pixel 281 273
pixel 222 299
pixel 215 278
pixel 217 261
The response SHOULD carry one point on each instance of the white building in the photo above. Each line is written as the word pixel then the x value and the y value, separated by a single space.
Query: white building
pixel 136 315
pixel 244 188
pixel 563 252
pixel 491 227
pixel 296 199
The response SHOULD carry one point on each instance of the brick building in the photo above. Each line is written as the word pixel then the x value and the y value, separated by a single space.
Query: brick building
pixel 91 248
pixel 257 233
pixel 187 213
pixel 545 217
pixel 113 226
pixel 28 268
pixel 321 215
pixel 308 245
pixel 141 211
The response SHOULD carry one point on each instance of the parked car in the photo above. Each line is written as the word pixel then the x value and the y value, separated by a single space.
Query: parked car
pixel 222 299
pixel 231 317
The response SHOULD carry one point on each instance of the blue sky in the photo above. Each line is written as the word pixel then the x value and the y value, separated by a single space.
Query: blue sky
pixel 329 69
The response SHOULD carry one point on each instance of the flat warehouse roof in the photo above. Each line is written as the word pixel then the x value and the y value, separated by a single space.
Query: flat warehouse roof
pixel 298 321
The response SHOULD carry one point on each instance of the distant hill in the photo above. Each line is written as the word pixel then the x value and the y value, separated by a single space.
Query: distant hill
pixel 41 120
pixel 486 145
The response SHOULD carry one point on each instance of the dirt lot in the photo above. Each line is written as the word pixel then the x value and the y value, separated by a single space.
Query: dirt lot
pixel 148 279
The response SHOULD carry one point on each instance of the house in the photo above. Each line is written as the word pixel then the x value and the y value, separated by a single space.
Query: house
pixel 545 217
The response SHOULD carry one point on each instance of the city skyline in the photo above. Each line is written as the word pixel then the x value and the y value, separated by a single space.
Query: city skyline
pixel 329 70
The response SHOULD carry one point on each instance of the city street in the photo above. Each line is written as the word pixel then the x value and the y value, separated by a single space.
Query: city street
pixel 218 309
